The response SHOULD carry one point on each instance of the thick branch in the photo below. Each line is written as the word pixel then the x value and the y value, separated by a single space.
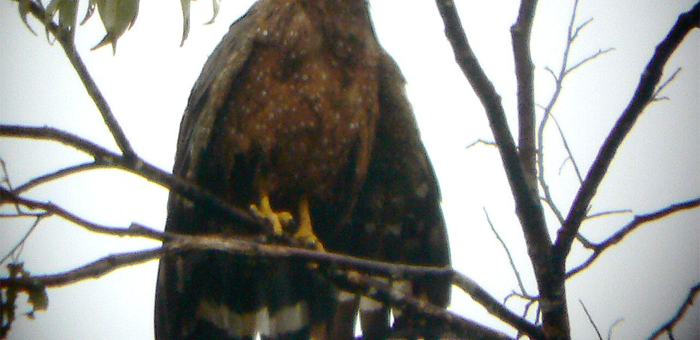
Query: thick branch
pixel 524 72
pixel 248 247
pixel 636 222
pixel 642 97
pixel 549 274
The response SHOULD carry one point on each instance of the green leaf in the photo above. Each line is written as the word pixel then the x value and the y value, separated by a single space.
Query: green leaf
pixel 185 20
pixel 67 12
pixel 23 11
pixel 38 297
pixel 117 16
pixel 215 6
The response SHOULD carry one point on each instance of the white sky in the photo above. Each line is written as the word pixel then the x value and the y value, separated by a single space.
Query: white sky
pixel 642 280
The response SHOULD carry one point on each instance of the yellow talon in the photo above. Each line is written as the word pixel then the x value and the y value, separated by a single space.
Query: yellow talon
pixel 305 231
pixel 282 220
pixel 279 220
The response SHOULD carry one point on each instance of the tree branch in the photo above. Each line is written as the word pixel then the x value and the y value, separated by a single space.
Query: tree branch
pixel 510 257
pixel 524 72
pixel 495 308
pixel 136 166
pixel 65 38
pixel 642 97
pixel 636 222
pixel 65 172
pixel 53 209
pixel 549 274
pixel 590 319
pixel 435 319
pixel 254 246
pixel 668 326
pixel 93 270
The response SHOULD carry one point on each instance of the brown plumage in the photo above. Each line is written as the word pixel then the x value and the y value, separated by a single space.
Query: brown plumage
pixel 299 103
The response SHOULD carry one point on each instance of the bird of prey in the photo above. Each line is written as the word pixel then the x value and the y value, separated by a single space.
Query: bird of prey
pixel 299 113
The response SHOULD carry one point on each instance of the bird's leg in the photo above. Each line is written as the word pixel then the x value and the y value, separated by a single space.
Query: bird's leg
pixel 279 220
pixel 305 231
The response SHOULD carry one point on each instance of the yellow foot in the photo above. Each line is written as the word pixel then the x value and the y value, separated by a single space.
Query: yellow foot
pixel 279 220
pixel 305 231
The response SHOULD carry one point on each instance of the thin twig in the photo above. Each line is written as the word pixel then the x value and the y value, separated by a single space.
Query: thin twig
pixel 668 326
pixel 13 251
pixel 608 213
pixel 589 58
pixel 570 154
pixel 663 85
pixel 642 97
pixel 6 180
pixel 590 319
pixel 558 81
pixel 636 222
pixel 559 78
pixel 45 178
pixel 480 142
pixel 510 257
pixel 53 209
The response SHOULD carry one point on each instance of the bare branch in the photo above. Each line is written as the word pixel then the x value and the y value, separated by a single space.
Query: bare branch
pixel 524 72
pixel 558 81
pixel 642 97
pixel 65 38
pixel 587 59
pixel 53 209
pixel 250 247
pixel 45 178
pixel 91 270
pixel 439 320
pixel 668 326
pixel 568 149
pixel 480 142
pixel 663 85
pixel 528 208
pixel 510 257
pixel 14 251
pixel 573 35
pixel 607 213
pixel 590 319
pixel 138 167
pixel 636 222
pixel 494 307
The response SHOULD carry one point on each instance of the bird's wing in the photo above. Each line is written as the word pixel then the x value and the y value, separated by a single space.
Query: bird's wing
pixel 398 210
pixel 210 91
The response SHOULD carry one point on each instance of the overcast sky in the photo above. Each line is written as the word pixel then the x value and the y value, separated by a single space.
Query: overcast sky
pixel 643 280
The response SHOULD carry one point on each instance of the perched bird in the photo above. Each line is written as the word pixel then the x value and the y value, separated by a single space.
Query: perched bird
pixel 299 113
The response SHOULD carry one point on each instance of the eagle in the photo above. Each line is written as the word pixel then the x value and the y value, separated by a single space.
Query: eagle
pixel 300 116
